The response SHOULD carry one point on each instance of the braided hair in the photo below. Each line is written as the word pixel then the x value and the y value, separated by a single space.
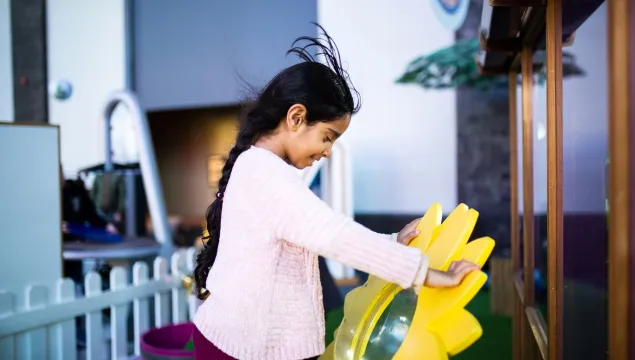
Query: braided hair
pixel 324 88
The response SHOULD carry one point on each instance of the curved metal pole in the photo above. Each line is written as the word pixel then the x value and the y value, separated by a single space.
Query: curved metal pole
pixel 342 189
pixel 309 174
pixel 147 161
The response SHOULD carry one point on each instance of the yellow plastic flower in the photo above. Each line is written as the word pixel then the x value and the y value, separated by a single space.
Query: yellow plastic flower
pixel 382 321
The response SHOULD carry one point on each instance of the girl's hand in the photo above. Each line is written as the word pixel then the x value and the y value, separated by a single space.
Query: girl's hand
pixel 408 233
pixel 453 277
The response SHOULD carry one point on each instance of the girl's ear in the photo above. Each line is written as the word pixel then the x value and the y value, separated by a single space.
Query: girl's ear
pixel 296 116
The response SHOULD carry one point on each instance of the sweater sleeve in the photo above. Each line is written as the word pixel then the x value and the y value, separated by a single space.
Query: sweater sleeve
pixel 392 237
pixel 301 218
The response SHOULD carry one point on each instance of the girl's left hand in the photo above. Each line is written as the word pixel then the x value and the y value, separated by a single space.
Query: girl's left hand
pixel 408 233
pixel 453 277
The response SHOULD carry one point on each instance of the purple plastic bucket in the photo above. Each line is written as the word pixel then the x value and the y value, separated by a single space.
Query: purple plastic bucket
pixel 167 343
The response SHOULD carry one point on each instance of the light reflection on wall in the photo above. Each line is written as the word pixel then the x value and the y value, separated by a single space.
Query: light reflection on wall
pixel 215 165
pixel 191 148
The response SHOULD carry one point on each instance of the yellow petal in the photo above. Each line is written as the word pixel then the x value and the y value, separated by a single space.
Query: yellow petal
pixel 478 251
pixel 421 344
pixel 458 330
pixel 455 232
pixel 427 226
pixel 433 303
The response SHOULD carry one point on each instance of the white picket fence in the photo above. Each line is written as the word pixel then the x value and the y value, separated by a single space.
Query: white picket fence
pixel 45 328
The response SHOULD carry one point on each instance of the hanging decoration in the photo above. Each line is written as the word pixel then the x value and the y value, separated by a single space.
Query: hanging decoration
pixel 455 66
pixel 451 13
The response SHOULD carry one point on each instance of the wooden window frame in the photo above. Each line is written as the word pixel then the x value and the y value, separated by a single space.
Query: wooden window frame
pixel 621 274
pixel 554 178
pixel 531 338
pixel 621 79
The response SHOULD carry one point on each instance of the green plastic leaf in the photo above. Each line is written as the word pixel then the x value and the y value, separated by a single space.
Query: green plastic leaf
pixel 454 66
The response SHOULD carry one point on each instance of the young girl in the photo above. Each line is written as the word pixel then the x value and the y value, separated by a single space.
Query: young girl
pixel 261 269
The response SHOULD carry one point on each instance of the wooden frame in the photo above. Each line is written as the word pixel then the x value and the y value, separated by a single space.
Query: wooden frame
pixel 513 180
pixel 548 336
pixel 621 15
pixel 529 324
pixel 528 177
pixel 517 2
pixel 554 177
pixel 503 45
pixel 503 22
pixel 538 328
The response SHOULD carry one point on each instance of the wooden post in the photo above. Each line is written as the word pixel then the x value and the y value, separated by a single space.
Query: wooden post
pixel 554 177
pixel 621 23
pixel 527 337
pixel 515 230
pixel 528 176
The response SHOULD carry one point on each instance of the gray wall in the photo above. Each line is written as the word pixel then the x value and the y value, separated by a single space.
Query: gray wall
pixel 482 121
pixel 6 68
pixel 193 53
pixel 28 50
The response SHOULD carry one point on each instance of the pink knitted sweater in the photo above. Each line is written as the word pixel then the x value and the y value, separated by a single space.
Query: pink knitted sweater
pixel 265 298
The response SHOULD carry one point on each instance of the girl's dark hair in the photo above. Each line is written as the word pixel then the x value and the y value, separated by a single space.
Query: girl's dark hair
pixel 323 88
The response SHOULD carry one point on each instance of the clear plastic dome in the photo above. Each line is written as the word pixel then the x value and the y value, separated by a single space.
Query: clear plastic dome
pixel 380 339
pixel 391 328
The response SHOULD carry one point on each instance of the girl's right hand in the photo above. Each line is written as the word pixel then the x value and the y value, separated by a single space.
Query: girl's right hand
pixel 453 277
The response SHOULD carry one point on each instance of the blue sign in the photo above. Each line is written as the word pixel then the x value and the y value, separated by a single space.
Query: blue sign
pixel 451 13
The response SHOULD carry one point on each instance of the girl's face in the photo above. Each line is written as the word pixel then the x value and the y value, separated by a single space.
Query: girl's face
pixel 309 143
